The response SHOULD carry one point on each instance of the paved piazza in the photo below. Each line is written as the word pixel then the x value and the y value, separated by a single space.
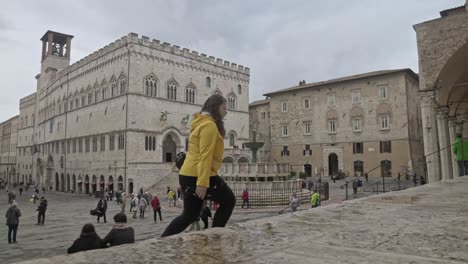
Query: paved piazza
pixel 66 215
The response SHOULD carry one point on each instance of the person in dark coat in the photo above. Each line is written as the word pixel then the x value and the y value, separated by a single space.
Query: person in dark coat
pixel 88 240
pixel 120 233
pixel 422 180
pixel 101 209
pixel 42 208
pixel 205 213
pixel 12 215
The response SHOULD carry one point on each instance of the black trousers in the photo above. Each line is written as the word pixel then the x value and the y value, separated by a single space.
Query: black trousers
pixel 142 214
pixel 245 202
pixel 40 217
pixel 218 191
pixel 102 215
pixel 205 221
pixel 157 211
pixel 12 229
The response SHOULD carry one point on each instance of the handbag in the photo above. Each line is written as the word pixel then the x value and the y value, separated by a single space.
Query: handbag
pixel 180 158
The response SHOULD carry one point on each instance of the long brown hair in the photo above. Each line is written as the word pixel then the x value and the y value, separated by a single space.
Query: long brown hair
pixel 211 106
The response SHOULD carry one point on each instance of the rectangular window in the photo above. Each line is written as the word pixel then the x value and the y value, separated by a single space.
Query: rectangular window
pixel 357 124
pixel 383 92
pixel 121 141
pixel 80 145
pixel 306 103
pixel 332 126
pixel 87 144
pixel 307 151
pixel 284 131
pixel 331 99
pixel 356 96
pixel 103 143
pixel 74 146
pixel 95 139
pixel 358 148
pixel 307 129
pixel 384 121
pixel 90 98
pixel 68 146
pixel 284 106
pixel 285 151
pixel 263 115
pixel 112 142
pixel 385 147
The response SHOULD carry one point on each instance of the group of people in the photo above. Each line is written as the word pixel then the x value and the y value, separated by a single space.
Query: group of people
pixel 294 202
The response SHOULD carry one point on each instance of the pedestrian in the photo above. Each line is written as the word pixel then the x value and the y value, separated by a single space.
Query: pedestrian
pixel 88 240
pixel 142 204
pixel 174 198
pixel 170 197
pixel 315 199
pixel 460 149
pixel 367 177
pixel 120 233
pixel 41 210
pixel 101 209
pixel 293 202
pixel 134 204
pixel 179 192
pixel 43 190
pixel 415 179
pixel 12 215
pixel 35 197
pixel 118 196
pixel 21 190
pixel 205 213
pixel 123 201
pixel 11 197
pixel 355 186
pixel 245 198
pixel 359 184
pixel 422 180
pixel 156 204
pixel 198 176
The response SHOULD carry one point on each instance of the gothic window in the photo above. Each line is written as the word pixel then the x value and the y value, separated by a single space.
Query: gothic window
pixel 114 90
pixel 190 93
pixel 121 143
pixel 112 142
pixel 103 143
pixel 80 145
pixel 208 82
pixel 122 82
pixel 90 98
pixel 151 85
pixel 232 139
pixel 71 104
pixel 104 90
pixel 96 96
pixel 172 90
pixel 87 144
pixel 77 103
pixel 232 101
pixel 83 100
pixel 239 89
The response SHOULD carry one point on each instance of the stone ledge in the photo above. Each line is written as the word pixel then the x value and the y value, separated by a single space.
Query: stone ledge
pixel 427 224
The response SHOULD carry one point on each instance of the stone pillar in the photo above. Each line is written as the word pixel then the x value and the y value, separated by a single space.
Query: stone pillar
pixel 44 48
pixel 67 55
pixel 444 143
pixel 430 136
pixel 50 40
pixel 452 124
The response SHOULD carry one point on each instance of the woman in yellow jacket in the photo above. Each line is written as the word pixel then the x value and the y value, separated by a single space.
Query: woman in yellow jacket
pixel 198 176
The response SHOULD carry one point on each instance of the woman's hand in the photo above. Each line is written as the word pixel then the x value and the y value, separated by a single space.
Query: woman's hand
pixel 201 192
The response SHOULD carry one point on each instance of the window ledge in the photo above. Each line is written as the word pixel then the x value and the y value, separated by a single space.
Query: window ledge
pixel 332 133
pixel 357 131
pixel 384 129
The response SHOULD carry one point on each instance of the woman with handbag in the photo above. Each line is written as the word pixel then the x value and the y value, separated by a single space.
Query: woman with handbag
pixel 198 176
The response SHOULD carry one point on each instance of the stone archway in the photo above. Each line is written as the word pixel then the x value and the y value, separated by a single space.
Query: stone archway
pixel 120 183
pixel 338 151
pixel 94 184
pixel 169 149
pixel 69 182
pixel 86 184
pixel 102 183
pixel 243 159
pixel 332 164
pixel 56 181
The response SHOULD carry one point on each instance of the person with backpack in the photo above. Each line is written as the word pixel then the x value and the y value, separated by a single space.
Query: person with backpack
pixel 156 204
pixel 293 202
pixel 133 206
pixel 198 176
pixel 142 205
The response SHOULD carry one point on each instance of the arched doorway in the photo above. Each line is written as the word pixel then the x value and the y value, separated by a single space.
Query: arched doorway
pixel 69 182
pixel 110 183
pixel 87 184
pixel 74 183
pixel 332 164
pixel 308 170
pixel 80 184
pixel 102 183
pixel 62 182
pixel 30 179
pixel 120 183
pixel 243 159
pixel 130 185
pixel 57 181
pixel 93 184
pixel 169 149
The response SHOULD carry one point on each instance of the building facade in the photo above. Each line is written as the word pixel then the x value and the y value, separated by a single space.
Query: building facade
pixel 119 116
pixel 366 123
pixel 8 157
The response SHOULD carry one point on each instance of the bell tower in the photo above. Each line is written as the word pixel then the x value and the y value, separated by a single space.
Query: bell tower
pixel 56 48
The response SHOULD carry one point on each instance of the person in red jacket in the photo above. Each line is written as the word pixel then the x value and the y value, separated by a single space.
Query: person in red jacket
pixel 245 198
pixel 156 204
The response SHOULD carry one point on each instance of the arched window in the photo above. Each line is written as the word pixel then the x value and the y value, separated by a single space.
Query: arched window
pixel 151 85
pixel 123 83
pixel 154 143
pixel 239 89
pixel 190 93
pixel 232 139
pixel 231 101
pixel 114 90
pixel 172 90
pixel 208 82
pixel 146 143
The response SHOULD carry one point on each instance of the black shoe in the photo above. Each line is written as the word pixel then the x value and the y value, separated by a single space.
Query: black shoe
pixel 14 242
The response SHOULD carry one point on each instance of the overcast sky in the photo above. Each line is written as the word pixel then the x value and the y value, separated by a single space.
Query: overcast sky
pixel 281 41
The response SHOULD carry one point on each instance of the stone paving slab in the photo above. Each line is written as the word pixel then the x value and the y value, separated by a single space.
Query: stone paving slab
pixel 427 224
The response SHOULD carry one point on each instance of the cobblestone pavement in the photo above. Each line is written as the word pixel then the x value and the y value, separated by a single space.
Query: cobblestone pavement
pixel 67 213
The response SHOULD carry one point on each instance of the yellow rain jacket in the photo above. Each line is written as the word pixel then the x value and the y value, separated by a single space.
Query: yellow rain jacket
pixel 205 150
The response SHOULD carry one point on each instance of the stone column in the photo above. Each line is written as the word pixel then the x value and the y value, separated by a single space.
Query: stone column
pixel 50 40
pixel 430 136
pixel 44 47
pixel 67 55
pixel 452 124
pixel 444 143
